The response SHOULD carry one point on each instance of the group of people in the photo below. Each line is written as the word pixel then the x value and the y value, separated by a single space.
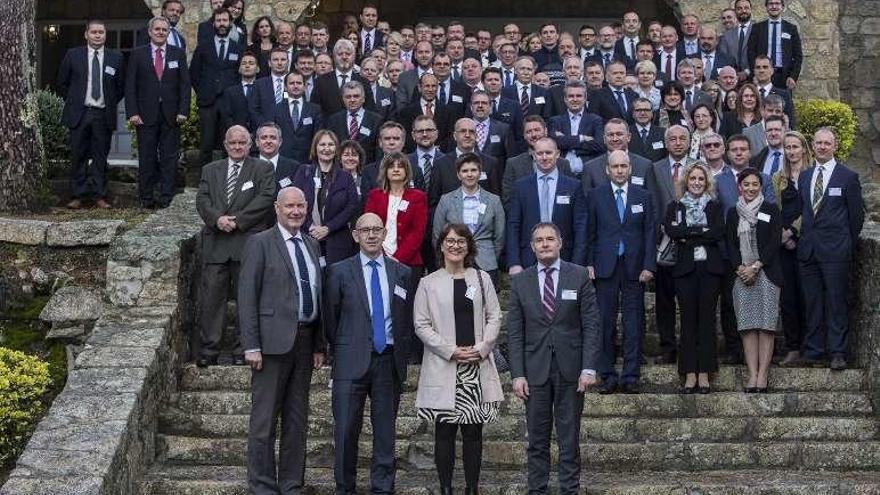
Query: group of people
pixel 374 189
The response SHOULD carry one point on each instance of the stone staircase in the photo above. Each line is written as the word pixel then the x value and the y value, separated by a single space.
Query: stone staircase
pixel 815 433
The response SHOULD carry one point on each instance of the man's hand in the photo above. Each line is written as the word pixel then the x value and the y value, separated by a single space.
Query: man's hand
pixel 790 83
pixel 585 381
pixel 513 270
pixel 318 360
pixel 136 120
pixel 591 273
pixel 319 231
pixel 181 119
pixel 646 276
pixel 226 223
pixel 254 359
pixel 790 244
pixel 521 388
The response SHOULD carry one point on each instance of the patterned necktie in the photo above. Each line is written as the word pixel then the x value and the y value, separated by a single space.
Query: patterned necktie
pixel 353 127
pixel 763 93
pixel 305 283
pixel 524 99
pixel 775 165
pixel 231 181
pixel 427 168
pixel 278 90
pixel 644 134
pixel 294 113
pixel 342 78
pixel 508 79
pixel 443 93
pixel 621 101
pixel 621 209
pixel 368 45
pixel 668 71
pixel 429 109
pixel 707 65
pixel 96 77
pixel 159 64
pixel 676 173
pixel 482 133
pixel 548 296
pixel 377 308
pixel 818 189
pixel 607 59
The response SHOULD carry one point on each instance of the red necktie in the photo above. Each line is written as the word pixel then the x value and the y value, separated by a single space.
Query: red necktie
pixel 158 64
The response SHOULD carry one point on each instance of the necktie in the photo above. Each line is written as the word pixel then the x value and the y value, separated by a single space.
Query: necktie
pixel 688 99
pixel 247 91
pixel 222 54
pixel 342 78
pixel 368 45
pixel 377 308
pixel 763 93
pixel 443 93
pixel 158 64
pixel 456 74
pixel 741 43
pixel 482 133
pixel 508 79
pixel 818 189
pixel 427 167
pixel 548 297
pixel 632 48
pixel 305 283
pixel 621 209
pixel 707 65
pixel 494 106
pixel 621 101
pixel 670 76
pixel 676 172
pixel 294 113
pixel 546 205
pixel 773 45
pixel 278 90
pixel 524 100
pixel 607 59
pixel 429 109
pixel 96 77
pixel 775 165
pixel 353 127
pixel 175 37
pixel 644 134
pixel 307 96
pixel 230 182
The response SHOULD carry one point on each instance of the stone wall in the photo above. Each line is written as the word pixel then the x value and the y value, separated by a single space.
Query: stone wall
pixel 865 312
pixel 98 436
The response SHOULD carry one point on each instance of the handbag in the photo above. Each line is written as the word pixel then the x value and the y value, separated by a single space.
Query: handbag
pixel 501 364
pixel 667 252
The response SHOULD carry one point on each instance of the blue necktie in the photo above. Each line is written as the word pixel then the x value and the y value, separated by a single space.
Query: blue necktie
pixel 621 209
pixel 305 284
pixel 443 93
pixel 775 166
pixel 773 43
pixel 378 308
pixel 546 205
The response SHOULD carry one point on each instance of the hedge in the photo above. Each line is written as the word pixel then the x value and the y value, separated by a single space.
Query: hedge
pixel 815 113
pixel 24 381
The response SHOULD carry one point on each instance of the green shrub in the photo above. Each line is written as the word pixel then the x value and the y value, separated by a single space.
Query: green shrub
pixel 24 380
pixel 815 113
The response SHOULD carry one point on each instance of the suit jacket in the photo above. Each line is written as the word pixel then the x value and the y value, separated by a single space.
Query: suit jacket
pixel 606 231
pixel 662 189
pixel 444 177
pixel 792 52
pixel 210 76
pixel 489 234
pixel 378 40
pixel 653 147
pixel 434 304
pixel 571 337
pixel 719 59
pixel 757 139
pixel 262 101
pixel 540 102
pixel 569 214
pixel 382 102
pixel 143 38
pixel 297 143
pixel 152 99
pixel 660 61
pixel 368 132
pixel 509 112
pixel 559 128
pixel 411 222
pixel 520 166
pixel 406 87
pixel 406 116
pixel 595 172
pixel 699 96
pixel 286 169
pixel 620 54
pixel 235 107
pixel 710 236
pixel 347 318
pixel 328 94
pixel 604 104
pixel 73 80
pixel 789 103
pixel 768 231
pixel 458 99
pixel 253 196
pixel 499 143
pixel 832 232
pixel 341 206
pixel 268 294
pixel 729 44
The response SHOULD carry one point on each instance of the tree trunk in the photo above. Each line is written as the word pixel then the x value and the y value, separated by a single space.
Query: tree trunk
pixel 21 170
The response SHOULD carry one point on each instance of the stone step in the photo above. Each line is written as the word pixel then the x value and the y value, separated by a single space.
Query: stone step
pixel 815 428
pixel 655 378
pixel 232 480
pixel 719 404
pixel 510 454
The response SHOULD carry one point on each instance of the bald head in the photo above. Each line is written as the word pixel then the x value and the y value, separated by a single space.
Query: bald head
pixel 618 168
pixel 369 233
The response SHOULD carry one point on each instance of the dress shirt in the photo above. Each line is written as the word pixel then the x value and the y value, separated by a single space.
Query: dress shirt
pixel 359 115
pixel 273 160
pixel 767 89
pixel 424 104
pixel 624 187
pixel 420 156
pixel 709 59
pixel 406 56
pixel 470 212
pixel 372 33
pixel 174 38
pixel 768 162
pixel 313 272
pixel 508 72
pixel 691 46
pixel 227 42
pixel 640 128
pixel 340 74
pixel 229 167
pixel 553 174
pixel 827 170
pixel 663 56
pixel 446 87
pixel 519 88
pixel 386 294
pixel 777 60
pixel 629 44
pixel 577 165
pixel 622 91
pixel 299 107
pixel 90 102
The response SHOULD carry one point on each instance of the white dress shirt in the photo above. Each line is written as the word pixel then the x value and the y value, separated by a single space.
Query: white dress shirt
pixel 827 170
pixel 313 272
pixel 90 57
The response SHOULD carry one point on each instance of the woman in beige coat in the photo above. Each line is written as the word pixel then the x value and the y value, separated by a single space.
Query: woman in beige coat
pixel 457 316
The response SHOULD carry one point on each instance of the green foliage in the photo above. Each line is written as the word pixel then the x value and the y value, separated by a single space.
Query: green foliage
pixel 24 381
pixel 189 130
pixel 55 134
pixel 815 113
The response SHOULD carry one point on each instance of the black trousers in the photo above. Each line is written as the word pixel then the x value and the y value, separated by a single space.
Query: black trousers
pixel 697 294
pixel 416 346
pixel 218 280
pixel 210 132
pixel 471 451
pixel 90 140
pixel 664 308
pixel 158 153
pixel 794 319
pixel 732 340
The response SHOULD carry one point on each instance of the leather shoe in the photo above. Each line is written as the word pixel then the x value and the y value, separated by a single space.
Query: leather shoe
pixel 751 390
pixel 607 388
pixel 838 364
pixel 205 361
pixel 102 204
pixel 74 204
pixel 666 358
pixel 630 388
pixel 687 390
pixel 790 359
pixel 238 360
pixel 704 390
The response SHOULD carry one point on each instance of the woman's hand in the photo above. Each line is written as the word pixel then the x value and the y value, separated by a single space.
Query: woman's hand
pixel 319 232
pixel 466 355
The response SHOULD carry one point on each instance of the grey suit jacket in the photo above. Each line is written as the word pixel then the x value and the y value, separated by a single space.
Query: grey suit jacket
pixel 661 187
pixel 757 139
pixel 729 44
pixel 252 198
pixel 595 172
pixel 489 235
pixel 572 336
pixel 520 166
pixel 406 87
pixel 268 294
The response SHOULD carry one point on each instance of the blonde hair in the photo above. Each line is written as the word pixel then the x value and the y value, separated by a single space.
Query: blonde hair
pixel 710 181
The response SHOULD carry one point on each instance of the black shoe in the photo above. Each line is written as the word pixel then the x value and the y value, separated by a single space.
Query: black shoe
pixel 704 390
pixel 205 361
pixel 666 358
pixel 762 390
pixel 470 490
pixel 838 364
pixel 630 388
pixel 238 360
pixel 445 490
pixel 687 390
pixel 607 388
pixel 751 390
pixel 731 359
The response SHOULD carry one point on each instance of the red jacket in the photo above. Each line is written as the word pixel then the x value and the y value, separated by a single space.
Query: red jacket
pixel 411 223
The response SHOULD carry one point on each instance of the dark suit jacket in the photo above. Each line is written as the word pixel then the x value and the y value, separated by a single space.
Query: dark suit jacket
pixel 719 60
pixel 444 177
pixel 253 197
pixel 559 128
pixel 510 113
pixel 406 116
pixel 382 102
pixel 520 166
pixel 205 30
pixel 286 169
pixel 262 102
pixel 604 104
pixel 210 76
pixel 268 294
pixel 831 234
pixel 499 144
pixel 572 337
pixel 341 205
pixel 605 231
pixel 235 107
pixel 147 96
pixel 569 214
pixel 73 80
pixel 378 40
pixel 368 134
pixel 648 147
pixel 729 44
pixel 328 95
pixel 143 38
pixel 660 62
pixel 297 143
pixel 688 237
pixel 769 236
pixel 540 101
pixel 792 52
pixel 347 318
pixel 595 173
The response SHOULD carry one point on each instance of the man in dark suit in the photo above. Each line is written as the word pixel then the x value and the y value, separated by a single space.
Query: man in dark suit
pixel 171 10
pixel 554 353
pixel 494 138
pixel 409 80
pixel 355 122
pixel 281 334
pixel 426 105
pixel 625 49
pixel 617 138
pixel 586 42
pixel 763 71
pixel 647 138
pixel 669 54
pixel 713 59
pixel 693 95
pixel 205 29
pixel 781 42
pixel 523 164
pixel 269 141
pixel 370 37
pixel 234 196
pixel 297 134
pixel 504 109
pixel 236 101
pixel 453 95
pixel 833 212
pixel 390 140
pixel 328 87
pixel 269 90
pixel 621 257
pixel 424 134
pixel 615 100
pixel 214 67
pixel 380 99
pixel 577 132
pixel 532 99
pixel 604 53
pixel 157 98
pixel 546 196
pixel 735 42
pixel 366 326
pixel 444 175
pixel 770 159
pixel 92 80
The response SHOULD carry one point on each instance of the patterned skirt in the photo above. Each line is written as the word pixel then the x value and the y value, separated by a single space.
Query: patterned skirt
pixel 469 408
pixel 756 305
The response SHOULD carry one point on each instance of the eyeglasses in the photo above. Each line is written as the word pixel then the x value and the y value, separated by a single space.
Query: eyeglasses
pixel 424 131
pixel 711 145
pixel 450 242
pixel 370 230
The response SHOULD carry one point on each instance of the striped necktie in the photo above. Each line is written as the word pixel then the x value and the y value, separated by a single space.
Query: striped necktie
pixel 231 180
pixel 548 296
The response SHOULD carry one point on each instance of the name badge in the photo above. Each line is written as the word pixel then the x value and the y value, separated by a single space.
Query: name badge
pixel 247 185
pixel 400 292
pixel 404 204
pixel 657 145
pixel 834 191
pixel 285 182
pixel 569 295
pixel 494 138
pixel 456 98
pixel 172 64
pixel 563 200
pixel 110 71
pixel 317 182
pixel 637 209
pixel 678 217
pixel 639 181
pixel 470 293
pixel 386 102
pixel 539 100
pixel 482 208
pixel 786 36
pixel 322 261
pixel 763 217
pixel 232 57
pixel 366 132
pixel 307 121
pixel 483 176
